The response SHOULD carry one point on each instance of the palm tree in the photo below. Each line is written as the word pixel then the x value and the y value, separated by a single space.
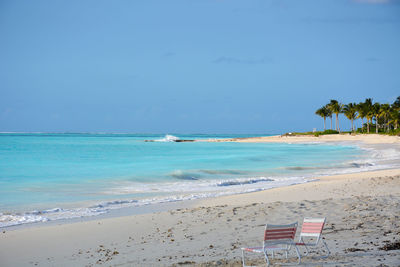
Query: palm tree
pixel 396 104
pixel 323 112
pixel 376 113
pixel 384 112
pixel 328 113
pixel 350 111
pixel 336 108
pixel 395 113
pixel 369 113
pixel 362 113
pixel 394 117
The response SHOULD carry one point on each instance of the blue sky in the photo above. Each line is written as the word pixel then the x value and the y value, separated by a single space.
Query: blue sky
pixel 205 66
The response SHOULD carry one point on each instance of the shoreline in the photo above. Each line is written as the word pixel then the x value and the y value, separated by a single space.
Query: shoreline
pixel 186 200
pixel 203 226
pixel 365 138
pixel 206 232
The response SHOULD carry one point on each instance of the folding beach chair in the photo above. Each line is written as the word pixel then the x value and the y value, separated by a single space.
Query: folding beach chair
pixel 311 231
pixel 276 237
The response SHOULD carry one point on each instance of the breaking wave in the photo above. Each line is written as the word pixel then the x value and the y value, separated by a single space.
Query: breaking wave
pixel 185 190
pixel 168 138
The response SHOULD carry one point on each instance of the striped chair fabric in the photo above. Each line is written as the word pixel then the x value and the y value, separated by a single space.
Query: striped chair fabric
pixel 312 228
pixel 276 237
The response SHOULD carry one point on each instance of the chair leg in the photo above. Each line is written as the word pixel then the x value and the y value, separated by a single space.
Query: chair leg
pixel 307 250
pixel 243 260
pixel 266 257
pixel 328 252
pixel 305 246
pixel 298 254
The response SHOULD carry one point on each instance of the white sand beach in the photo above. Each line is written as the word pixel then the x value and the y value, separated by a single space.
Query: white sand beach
pixel 362 211
pixel 364 138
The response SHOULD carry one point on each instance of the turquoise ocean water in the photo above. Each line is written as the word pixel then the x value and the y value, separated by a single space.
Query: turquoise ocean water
pixel 56 176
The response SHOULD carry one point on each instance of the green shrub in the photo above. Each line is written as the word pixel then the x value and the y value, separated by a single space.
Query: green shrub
pixel 395 132
pixel 330 132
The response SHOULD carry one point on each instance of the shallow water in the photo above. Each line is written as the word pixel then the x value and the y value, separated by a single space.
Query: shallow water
pixel 54 176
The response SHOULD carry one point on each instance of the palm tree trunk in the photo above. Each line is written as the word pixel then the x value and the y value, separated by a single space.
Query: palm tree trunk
pixel 376 124
pixel 387 124
pixel 324 123
pixel 331 122
pixel 384 124
pixel 352 128
pixel 367 125
pixel 362 125
pixel 337 122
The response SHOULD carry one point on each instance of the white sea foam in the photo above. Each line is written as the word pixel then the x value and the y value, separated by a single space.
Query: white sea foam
pixel 168 138
pixel 177 192
pixel 372 160
pixel 47 215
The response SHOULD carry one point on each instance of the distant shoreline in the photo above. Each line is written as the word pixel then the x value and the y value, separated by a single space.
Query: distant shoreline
pixel 366 138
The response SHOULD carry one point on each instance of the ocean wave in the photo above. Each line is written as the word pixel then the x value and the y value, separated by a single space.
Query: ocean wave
pixel 115 202
pixel 187 190
pixel 360 164
pixel 13 219
pixel 371 160
pixel 181 175
pixel 234 172
pixel 298 168
pixel 244 181
pixel 168 138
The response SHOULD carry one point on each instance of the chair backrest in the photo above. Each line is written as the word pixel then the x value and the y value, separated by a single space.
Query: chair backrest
pixel 279 234
pixel 312 227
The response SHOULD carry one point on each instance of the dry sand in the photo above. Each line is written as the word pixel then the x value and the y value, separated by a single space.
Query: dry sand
pixel 362 210
pixel 365 138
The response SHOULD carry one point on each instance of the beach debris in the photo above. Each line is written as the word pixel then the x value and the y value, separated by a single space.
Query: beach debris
pixel 387 232
pixel 186 262
pixel 391 246
pixel 360 225
pixel 354 249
